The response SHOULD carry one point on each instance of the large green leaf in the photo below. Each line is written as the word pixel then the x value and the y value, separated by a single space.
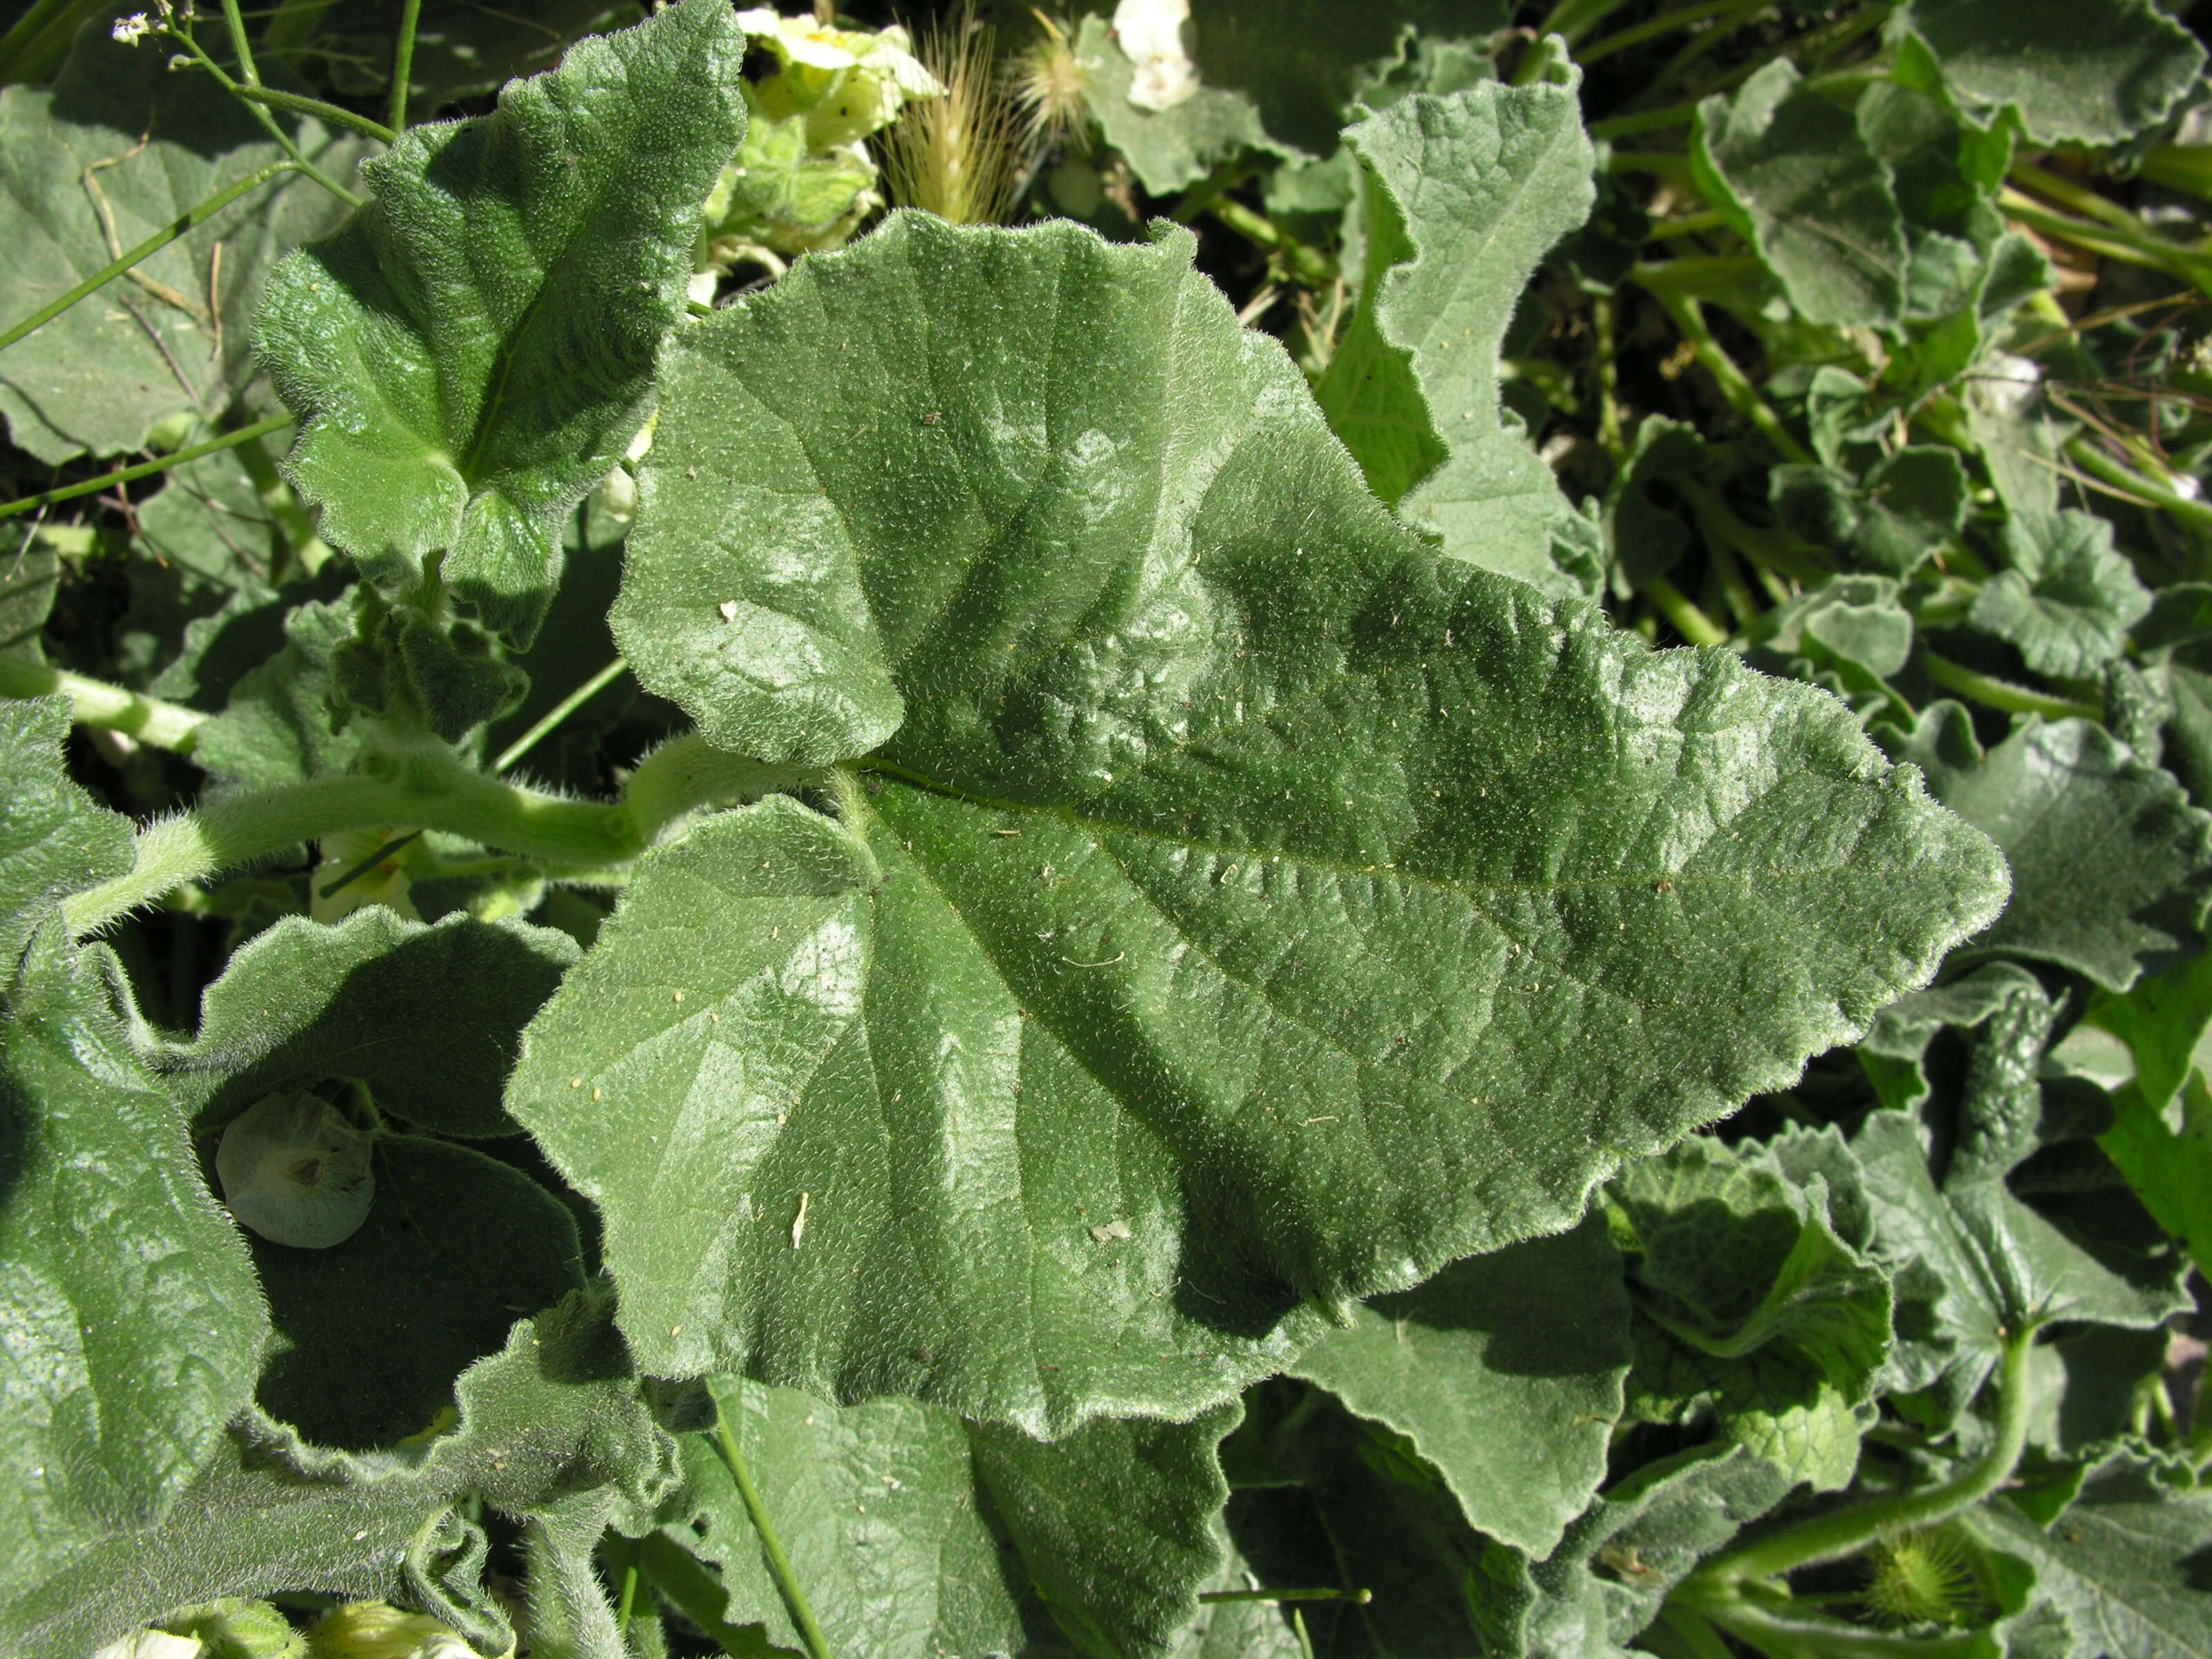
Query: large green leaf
pixel 427 1019
pixel 1463 197
pixel 119 148
pixel 1750 1302
pixel 1794 177
pixel 2087 71
pixel 1231 872
pixel 548 1427
pixel 473 352
pixel 2111 864
pixel 916 1535
pixel 133 1325
pixel 53 841
pixel 2126 1563
pixel 1504 1372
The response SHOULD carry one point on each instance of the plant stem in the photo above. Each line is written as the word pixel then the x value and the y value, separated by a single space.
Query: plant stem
pixel 1308 267
pixel 95 702
pixel 1658 163
pixel 1358 1598
pixel 1608 380
pixel 316 107
pixel 1649 120
pixel 2148 493
pixel 1848 1530
pixel 1576 18
pixel 160 239
pixel 1689 224
pixel 1692 623
pixel 2069 195
pixel 1665 23
pixel 283 139
pixel 2003 695
pixel 2127 246
pixel 239 47
pixel 428 787
pixel 1702 1640
pixel 779 1564
pixel 560 712
pixel 403 64
pixel 1742 396
pixel 1771 1634
pixel 144 469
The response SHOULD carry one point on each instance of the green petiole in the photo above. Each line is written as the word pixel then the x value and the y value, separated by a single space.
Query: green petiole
pixel 402 64
pixel 2003 695
pixel 144 469
pixel 779 1564
pixel 95 702
pixel 183 222
pixel 1839 1532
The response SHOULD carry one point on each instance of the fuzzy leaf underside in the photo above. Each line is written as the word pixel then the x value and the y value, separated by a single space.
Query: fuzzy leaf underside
pixel 475 349
pixel 1244 905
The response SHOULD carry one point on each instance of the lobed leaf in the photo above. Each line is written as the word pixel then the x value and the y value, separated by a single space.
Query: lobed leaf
pixel 472 353
pixel 1244 906
pixel 1463 197
pixel 1504 1372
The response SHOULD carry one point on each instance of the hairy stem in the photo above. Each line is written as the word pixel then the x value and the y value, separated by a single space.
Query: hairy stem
pixel 779 1564
pixel 1665 22
pixel 1848 1530
pixel 1771 1634
pixel 233 21
pixel 427 787
pixel 1692 623
pixel 403 64
pixel 95 702
pixel 160 239
pixel 144 469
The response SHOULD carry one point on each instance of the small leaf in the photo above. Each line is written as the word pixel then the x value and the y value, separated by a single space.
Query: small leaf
pixel 1794 177
pixel 54 841
pixel 473 352
pixel 1464 195
pixel 2124 1563
pixel 1851 627
pixel 2111 864
pixel 278 725
pixel 1906 506
pixel 1748 1298
pixel 2079 71
pixel 2069 599
pixel 1505 1370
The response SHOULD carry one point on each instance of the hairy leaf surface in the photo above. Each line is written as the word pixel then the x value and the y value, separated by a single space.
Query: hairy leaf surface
pixel 550 1424
pixel 1262 909
pixel 1464 195
pixel 2111 863
pixel 1750 1300
pixel 1794 177
pixel 1505 1370
pixel 2069 599
pixel 917 1535
pixel 474 350
pixel 2086 71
